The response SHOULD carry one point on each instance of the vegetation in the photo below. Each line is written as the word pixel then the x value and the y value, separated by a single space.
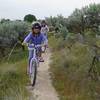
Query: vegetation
pixel 80 21
pixel 75 62
pixel 10 33
pixel 30 18
pixel 75 46
pixel 13 77
pixel 71 62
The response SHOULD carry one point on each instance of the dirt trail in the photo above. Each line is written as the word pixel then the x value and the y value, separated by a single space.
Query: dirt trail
pixel 44 89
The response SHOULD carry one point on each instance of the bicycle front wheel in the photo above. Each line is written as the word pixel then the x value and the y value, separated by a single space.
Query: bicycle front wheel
pixel 33 72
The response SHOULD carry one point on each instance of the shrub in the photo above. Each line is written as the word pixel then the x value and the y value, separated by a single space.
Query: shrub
pixel 70 70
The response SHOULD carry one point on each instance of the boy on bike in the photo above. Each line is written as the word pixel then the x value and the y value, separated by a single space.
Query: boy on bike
pixel 37 38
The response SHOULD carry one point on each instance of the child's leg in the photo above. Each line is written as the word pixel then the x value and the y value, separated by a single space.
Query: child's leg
pixel 29 59
pixel 40 55
pixel 46 41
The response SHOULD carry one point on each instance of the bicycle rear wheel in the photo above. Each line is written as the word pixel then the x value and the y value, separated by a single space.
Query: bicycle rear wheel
pixel 33 72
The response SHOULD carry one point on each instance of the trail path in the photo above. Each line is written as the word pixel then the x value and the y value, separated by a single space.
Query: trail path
pixel 44 89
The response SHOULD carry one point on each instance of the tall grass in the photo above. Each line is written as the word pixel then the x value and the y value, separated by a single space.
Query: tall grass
pixel 13 77
pixel 71 61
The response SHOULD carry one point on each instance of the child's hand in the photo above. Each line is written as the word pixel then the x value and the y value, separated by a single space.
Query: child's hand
pixel 25 44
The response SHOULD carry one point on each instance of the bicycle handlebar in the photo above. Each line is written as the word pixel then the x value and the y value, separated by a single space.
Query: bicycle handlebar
pixel 32 46
pixel 35 46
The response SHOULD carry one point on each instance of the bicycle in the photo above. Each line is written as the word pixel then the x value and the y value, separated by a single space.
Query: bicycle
pixel 34 63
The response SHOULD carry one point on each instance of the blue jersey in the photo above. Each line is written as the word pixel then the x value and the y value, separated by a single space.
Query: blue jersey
pixel 35 39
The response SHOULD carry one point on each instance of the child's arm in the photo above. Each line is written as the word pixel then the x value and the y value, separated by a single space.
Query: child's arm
pixel 44 39
pixel 47 28
pixel 26 40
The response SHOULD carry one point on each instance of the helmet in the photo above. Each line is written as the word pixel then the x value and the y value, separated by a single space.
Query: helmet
pixel 36 25
pixel 43 22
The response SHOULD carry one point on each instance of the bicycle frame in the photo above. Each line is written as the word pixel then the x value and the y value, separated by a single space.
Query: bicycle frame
pixel 33 59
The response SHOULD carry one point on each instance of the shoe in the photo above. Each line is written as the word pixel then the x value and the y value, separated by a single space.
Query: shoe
pixel 41 59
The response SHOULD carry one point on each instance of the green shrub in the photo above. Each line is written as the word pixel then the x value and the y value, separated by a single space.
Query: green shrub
pixel 10 33
pixel 70 70
pixel 12 29
pixel 13 78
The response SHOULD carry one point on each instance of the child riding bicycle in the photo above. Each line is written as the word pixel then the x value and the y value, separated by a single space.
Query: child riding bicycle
pixel 45 30
pixel 37 38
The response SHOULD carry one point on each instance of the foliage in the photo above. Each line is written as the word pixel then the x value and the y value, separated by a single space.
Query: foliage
pixel 59 23
pixel 10 33
pixel 73 57
pixel 85 18
pixel 4 20
pixel 71 61
pixel 12 29
pixel 81 20
pixel 13 77
pixel 30 18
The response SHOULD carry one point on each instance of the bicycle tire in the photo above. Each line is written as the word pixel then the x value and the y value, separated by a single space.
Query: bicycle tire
pixel 34 73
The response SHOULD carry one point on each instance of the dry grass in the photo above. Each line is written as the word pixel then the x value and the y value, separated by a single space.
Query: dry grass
pixel 13 78
pixel 70 71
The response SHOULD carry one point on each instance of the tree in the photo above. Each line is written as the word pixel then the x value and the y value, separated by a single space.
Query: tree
pixel 4 20
pixel 30 18
pixel 85 19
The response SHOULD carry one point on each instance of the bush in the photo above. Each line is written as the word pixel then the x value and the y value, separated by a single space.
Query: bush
pixel 13 78
pixel 10 33
pixel 70 70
